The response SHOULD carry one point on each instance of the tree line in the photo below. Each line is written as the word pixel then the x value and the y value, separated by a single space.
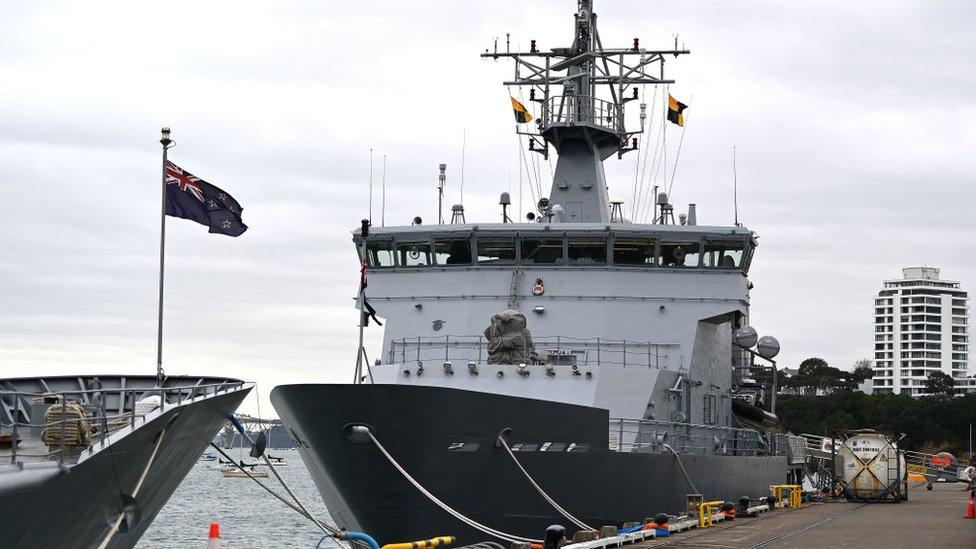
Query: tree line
pixel 931 423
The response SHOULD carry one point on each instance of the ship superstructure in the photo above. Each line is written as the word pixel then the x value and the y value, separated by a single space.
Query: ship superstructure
pixel 615 322
pixel 609 351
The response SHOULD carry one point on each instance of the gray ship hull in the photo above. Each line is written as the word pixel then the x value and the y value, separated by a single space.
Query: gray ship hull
pixel 445 439
pixel 45 507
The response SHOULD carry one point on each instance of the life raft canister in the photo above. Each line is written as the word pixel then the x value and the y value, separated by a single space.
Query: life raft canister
pixel 538 288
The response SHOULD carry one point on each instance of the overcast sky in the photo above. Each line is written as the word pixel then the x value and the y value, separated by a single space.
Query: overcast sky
pixel 854 122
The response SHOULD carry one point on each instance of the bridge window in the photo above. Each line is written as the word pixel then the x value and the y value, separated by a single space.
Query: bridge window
pixel 633 251
pixel 724 255
pixel 587 251
pixel 496 251
pixel 680 254
pixel 413 254
pixel 456 251
pixel 379 254
pixel 542 250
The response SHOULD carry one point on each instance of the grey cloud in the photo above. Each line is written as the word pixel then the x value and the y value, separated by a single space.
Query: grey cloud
pixel 853 125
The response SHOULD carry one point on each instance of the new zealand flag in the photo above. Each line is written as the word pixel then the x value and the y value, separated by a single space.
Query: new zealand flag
pixel 192 198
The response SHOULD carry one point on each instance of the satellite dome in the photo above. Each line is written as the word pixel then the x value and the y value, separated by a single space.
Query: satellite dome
pixel 768 347
pixel 745 336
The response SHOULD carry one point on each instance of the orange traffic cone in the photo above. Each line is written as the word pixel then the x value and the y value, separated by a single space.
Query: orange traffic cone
pixel 213 541
pixel 971 511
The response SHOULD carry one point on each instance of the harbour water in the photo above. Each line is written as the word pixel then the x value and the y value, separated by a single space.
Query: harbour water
pixel 249 517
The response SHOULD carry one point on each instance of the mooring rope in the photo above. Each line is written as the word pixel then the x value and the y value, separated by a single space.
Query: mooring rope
pixel 244 436
pixel 320 524
pixel 135 490
pixel 328 529
pixel 542 492
pixel 683 471
pixel 511 538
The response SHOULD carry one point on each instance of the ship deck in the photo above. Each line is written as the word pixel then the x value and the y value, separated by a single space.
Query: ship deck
pixel 929 519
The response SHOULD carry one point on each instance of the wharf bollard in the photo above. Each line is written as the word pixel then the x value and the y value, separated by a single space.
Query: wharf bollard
pixel 555 536
pixel 743 505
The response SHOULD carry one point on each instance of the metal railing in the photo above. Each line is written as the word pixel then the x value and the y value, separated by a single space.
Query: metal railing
pixel 934 465
pixel 552 350
pixel 103 411
pixel 651 436
pixel 582 109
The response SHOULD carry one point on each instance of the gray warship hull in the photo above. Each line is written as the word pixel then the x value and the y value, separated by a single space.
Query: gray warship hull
pixel 49 504
pixel 445 438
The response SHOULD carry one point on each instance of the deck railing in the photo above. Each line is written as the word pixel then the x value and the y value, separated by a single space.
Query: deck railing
pixel 651 436
pixel 552 350
pixel 102 411
pixel 582 109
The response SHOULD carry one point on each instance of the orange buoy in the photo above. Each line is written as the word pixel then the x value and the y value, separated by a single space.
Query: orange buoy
pixel 213 540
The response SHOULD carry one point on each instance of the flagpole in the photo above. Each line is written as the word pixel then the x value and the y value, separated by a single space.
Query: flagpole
pixel 166 142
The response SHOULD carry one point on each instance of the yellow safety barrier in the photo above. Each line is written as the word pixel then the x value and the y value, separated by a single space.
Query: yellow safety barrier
pixel 795 498
pixel 433 542
pixel 916 477
pixel 919 469
pixel 705 512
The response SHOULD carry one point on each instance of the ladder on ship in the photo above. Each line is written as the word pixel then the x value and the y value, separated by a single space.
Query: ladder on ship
pixel 513 291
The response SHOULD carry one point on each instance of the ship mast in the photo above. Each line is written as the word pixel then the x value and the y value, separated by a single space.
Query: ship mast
pixel 584 126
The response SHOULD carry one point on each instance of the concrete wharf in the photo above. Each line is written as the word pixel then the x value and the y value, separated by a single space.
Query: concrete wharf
pixel 928 519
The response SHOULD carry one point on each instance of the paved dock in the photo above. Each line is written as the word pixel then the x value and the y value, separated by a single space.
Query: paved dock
pixel 929 520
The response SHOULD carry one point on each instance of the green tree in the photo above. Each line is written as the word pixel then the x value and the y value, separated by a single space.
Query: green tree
pixel 815 374
pixel 812 366
pixel 863 371
pixel 940 383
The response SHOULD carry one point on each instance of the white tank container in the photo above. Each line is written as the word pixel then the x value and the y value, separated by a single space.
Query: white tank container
pixel 870 466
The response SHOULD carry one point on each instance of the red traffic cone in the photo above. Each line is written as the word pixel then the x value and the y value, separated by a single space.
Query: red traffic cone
pixel 971 511
pixel 213 541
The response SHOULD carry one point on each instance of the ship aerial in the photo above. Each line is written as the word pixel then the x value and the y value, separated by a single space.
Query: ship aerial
pixel 575 367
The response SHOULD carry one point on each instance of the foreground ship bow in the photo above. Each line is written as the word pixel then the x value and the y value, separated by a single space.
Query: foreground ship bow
pixel 615 356
pixel 88 461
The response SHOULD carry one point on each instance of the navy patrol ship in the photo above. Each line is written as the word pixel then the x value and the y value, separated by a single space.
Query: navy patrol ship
pixel 612 357
pixel 88 461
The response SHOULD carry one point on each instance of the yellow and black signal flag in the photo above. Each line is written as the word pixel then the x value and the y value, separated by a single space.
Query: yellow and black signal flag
pixel 675 108
pixel 522 115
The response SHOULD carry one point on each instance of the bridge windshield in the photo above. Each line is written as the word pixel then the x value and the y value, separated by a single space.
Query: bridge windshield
pixel 731 252
pixel 633 251
pixel 496 251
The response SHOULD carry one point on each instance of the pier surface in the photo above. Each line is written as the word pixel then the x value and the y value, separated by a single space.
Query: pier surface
pixel 929 519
